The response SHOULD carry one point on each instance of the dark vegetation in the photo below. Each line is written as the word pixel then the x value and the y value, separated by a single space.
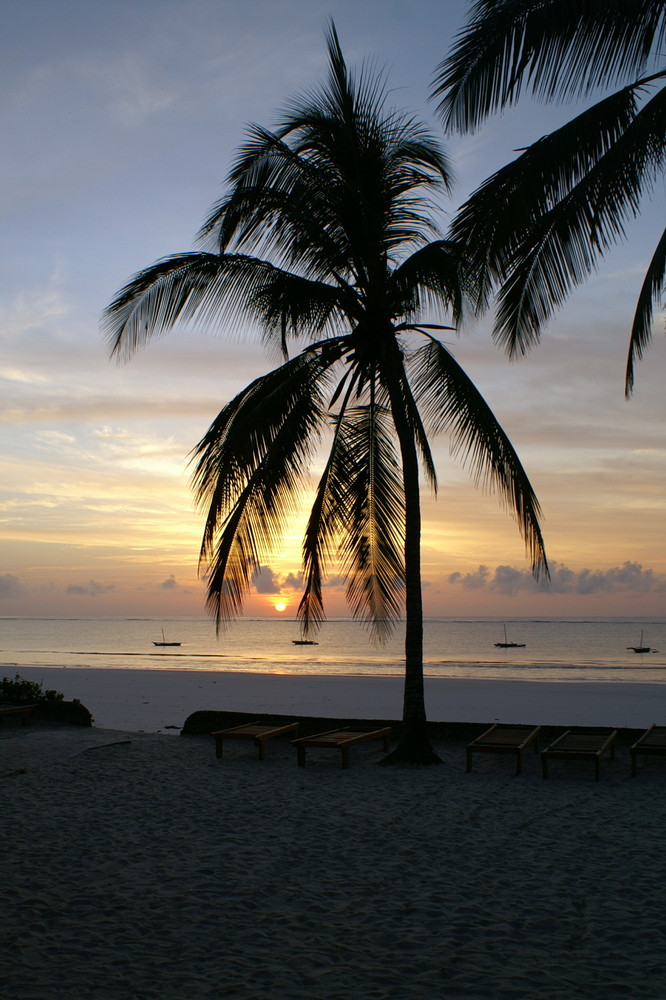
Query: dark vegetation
pixel 51 704
pixel 18 691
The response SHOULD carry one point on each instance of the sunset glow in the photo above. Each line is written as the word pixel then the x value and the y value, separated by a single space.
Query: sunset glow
pixel 96 510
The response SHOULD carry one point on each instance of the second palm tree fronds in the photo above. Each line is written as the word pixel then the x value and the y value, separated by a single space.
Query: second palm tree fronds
pixel 539 226
pixel 326 238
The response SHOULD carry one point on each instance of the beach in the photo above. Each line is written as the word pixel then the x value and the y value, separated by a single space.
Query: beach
pixel 139 866
pixel 161 700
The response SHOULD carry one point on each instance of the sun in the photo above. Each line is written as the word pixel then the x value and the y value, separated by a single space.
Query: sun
pixel 280 606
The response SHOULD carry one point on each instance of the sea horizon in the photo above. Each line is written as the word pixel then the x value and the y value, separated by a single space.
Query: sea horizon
pixel 561 648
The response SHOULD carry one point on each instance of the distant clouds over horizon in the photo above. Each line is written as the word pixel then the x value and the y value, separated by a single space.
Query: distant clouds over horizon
pixel 90 589
pixel 628 578
pixel 631 578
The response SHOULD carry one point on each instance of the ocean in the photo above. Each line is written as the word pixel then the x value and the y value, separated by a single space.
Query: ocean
pixel 564 649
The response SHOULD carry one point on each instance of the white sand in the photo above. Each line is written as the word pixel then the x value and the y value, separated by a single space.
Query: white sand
pixel 140 867
pixel 152 700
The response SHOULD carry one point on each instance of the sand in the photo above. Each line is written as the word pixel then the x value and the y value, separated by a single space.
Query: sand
pixel 138 866
pixel 161 700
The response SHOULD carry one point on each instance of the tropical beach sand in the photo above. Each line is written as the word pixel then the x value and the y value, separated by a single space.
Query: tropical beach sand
pixel 161 700
pixel 138 866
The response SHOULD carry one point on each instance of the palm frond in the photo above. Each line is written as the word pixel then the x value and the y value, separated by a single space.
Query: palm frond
pixel 538 227
pixel 249 471
pixel 340 184
pixel 287 304
pixel 434 275
pixel 563 246
pixel 652 292
pixel 451 401
pixel 214 290
pixel 155 299
pixel 369 520
pixel 320 540
pixel 492 222
pixel 281 204
pixel 553 48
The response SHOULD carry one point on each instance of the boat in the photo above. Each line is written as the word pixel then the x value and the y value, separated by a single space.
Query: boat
pixel 640 648
pixel 164 642
pixel 509 645
pixel 305 642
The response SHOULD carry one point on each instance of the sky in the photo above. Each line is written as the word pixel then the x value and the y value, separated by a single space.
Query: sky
pixel 119 123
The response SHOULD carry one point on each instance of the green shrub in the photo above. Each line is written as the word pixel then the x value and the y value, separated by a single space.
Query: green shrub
pixel 18 691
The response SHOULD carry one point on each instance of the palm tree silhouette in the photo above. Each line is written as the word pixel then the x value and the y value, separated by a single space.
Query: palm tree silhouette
pixel 326 236
pixel 538 227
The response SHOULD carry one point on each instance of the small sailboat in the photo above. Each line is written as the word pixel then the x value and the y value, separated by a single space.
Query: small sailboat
pixel 164 642
pixel 640 648
pixel 509 645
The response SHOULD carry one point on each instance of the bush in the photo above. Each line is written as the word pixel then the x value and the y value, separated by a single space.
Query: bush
pixel 18 691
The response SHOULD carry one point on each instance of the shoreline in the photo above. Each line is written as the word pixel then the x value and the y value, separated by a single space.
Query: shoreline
pixel 157 701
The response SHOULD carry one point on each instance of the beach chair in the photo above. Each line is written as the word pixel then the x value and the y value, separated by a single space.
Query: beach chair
pixel 25 711
pixel 505 739
pixel 651 743
pixel 340 739
pixel 259 732
pixel 581 745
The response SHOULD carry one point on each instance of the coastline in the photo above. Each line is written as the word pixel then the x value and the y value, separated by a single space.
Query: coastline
pixel 154 701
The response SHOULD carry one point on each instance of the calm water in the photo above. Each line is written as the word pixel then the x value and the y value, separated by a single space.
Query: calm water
pixel 555 649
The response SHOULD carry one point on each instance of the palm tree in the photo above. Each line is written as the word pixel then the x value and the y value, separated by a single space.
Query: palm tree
pixel 325 237
pixel 538 227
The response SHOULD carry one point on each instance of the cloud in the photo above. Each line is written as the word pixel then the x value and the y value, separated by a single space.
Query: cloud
pixel 9 585
pixel 22 376
pixel 629 578
pixel 90 589
pixel 170 584
pixel 134 93
pixel 54 440
pixel 147 453
pixel 471 581
pixel 508 580
pixel 33 309
pixel 266 581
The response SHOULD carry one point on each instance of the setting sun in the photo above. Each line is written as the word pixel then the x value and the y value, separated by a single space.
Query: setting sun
pixel 280 606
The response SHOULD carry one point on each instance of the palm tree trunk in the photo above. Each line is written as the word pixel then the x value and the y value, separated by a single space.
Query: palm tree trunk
pixel 414 746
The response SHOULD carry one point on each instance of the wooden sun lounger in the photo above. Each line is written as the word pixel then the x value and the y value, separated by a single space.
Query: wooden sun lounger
pixel 340 739
pixel 259 732
pixel 25 711
pixel 651 743
pixel 505 739
pixel 582 745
